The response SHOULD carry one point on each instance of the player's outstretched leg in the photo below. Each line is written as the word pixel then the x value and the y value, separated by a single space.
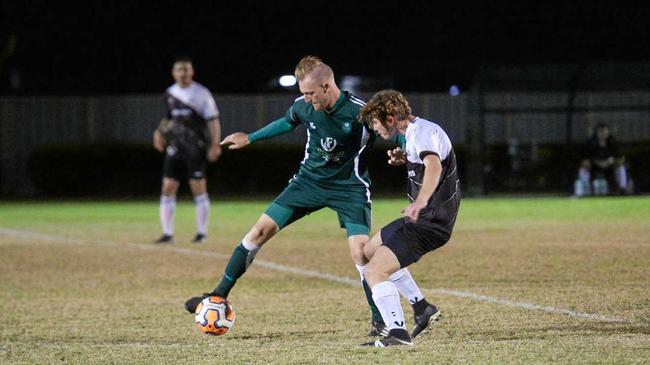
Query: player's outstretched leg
pixel 240 260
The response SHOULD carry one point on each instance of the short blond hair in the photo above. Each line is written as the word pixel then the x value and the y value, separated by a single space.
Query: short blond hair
pixel 315 67
pixel 384 103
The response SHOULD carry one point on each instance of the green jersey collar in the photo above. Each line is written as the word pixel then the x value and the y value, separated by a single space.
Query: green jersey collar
pixel 344 95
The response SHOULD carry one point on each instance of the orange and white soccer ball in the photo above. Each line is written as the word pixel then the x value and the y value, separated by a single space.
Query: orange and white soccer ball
pixel 214 316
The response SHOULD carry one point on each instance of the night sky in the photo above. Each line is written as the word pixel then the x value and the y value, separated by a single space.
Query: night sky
pixel 111 47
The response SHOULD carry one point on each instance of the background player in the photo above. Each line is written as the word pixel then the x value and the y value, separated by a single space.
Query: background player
pixel 189 136
pixel 434 192
pixel 603 163
pixel 333 174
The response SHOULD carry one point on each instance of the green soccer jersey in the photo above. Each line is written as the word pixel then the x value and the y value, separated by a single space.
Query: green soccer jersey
pixel 337 142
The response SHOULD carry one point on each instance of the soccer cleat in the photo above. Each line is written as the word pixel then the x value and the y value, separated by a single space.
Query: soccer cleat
pixel 165 238
pixel 430 315
pixel 193 302
pixel 396 337
pixel 378 329
pixel 199 238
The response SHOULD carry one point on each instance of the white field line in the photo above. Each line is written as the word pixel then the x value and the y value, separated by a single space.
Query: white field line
pixel 26 235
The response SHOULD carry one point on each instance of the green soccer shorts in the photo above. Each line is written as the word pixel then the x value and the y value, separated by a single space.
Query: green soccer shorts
pixel 303 196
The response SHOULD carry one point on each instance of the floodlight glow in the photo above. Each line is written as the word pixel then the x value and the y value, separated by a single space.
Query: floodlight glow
pixel 454 90
pixel 287 80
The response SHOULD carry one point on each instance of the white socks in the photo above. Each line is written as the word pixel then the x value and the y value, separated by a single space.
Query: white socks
pixel 621 177
pixel 406 285
pixel 403 281
pixel 361 269
pixel 166 211
pixel 168 206
pixel 386 298
pixel 202 205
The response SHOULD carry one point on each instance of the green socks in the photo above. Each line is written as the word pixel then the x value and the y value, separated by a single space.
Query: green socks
pixel 239 261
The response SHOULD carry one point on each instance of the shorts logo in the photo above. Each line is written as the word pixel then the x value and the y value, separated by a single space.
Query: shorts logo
pixel 171 150
pixel 198 174
pixel 329 144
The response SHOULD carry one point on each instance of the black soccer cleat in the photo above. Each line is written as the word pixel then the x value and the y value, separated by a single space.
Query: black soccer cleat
pixel 199 238
pixel 396 337
pixel 193 302
pixel 378 329
pixel 165 238
pixel 430 315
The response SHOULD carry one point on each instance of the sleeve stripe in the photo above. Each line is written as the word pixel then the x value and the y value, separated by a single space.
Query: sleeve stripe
pixel 358 101
pixel 424 154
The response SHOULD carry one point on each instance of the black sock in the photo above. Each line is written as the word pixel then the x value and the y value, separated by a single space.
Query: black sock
pixel 420 306
pixel 400 333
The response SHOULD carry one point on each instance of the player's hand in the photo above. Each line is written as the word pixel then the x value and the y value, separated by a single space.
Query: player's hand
pixel 214 152
pixel 159 142
pixel 236 141
pixel 396 157
pixel 413 210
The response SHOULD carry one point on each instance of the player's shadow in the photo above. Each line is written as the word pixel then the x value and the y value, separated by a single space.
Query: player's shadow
pixel 276 335
pixel 561 330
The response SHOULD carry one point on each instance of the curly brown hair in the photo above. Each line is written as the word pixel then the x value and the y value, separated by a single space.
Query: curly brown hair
pixel 384 103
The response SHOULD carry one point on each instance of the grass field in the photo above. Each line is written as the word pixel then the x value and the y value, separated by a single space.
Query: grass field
pixel 550 280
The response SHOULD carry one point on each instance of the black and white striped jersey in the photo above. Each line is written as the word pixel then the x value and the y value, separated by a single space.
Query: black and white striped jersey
pixel 425 138
pixel 190 108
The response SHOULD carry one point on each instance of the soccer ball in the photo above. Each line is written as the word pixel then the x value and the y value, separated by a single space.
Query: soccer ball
pixel 214 316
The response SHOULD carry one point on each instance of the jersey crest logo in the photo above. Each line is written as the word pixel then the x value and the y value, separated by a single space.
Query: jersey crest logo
pixel 346 127
pixel 329 144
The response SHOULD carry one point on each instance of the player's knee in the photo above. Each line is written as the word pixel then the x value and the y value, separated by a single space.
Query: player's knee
pixel 374 273
pixel 259 234
pixel 168 190
pixel 369 249
pixel 358 255
pixel 169 187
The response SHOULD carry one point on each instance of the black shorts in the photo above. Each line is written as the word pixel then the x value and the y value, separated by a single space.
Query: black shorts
pixel 184 163
pixel 410 241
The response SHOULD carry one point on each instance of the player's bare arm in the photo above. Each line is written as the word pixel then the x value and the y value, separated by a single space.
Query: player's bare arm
pixel 432 173
pixel 214 125
pixel 236 141
pixel 159 142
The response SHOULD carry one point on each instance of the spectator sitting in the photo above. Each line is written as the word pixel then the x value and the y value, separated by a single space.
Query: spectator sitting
pixel 602 167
